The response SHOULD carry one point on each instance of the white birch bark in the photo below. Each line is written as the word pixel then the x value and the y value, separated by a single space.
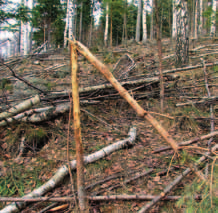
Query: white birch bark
pixel 144 19
pixel 69 31
pixel 175 11
pixel 66 25
pixel 106 24
pixel 26 28
pixel 200 16
pixel 71 20
pixel 213 19
pixel 196 21
pixel 138 24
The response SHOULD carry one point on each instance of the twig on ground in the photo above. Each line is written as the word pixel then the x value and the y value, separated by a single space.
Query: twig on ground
pixel 185 143
pixel 172 185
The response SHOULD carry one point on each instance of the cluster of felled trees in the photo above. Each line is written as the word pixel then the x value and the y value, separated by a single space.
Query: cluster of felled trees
pixel 56 21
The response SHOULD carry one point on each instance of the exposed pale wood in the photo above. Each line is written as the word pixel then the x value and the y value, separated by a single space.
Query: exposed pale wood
pixel 77 130
pixel 123 92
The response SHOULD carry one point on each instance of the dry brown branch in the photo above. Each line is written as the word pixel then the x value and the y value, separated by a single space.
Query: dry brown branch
pixel 68 156
pixel 86 188
pixel 22 79
pixel 185 143
pixel 123 92
pixel 169 188
pixel 211 182
pixel 127 181
pixel 211 105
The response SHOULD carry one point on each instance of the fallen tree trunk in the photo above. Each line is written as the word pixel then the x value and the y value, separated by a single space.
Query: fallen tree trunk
pixel 93 198
pixel 188 68
pixel 20 107
pixel 63 171
pixel 206 99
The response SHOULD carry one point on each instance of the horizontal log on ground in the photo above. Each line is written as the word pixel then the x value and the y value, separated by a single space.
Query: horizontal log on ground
pixel 94 198
pixel 187 68
pixel 206 99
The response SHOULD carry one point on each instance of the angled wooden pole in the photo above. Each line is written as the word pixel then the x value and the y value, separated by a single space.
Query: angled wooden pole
pixel 124 93
pixel 77 130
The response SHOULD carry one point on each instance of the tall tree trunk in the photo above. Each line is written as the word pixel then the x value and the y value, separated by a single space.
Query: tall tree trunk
pixel 196 20
pixel 124 36
pixel 161 23
pixel 213 19
pixel 111 28
pixel 159 44
pixel 144 19
pixel 49 34
pixel 66 29
pixel 106 25
pixel 91 27
pixel 182 43
pixel 152 21
pixel 175 11
pixel 200 17
pixel 30 4
pixel 71 20
pixel 80 23
pixel 138 24
pixel 24 34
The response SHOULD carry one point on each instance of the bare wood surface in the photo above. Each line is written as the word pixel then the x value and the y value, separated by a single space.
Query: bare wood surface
pixel 123 92
pixel 77 131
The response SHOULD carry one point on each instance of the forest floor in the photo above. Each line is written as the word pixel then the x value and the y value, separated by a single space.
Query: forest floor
pixel 109 121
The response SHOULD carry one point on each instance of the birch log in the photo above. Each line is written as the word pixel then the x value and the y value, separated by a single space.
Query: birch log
pixel 63 171
pixel 20 107
pixel 123 92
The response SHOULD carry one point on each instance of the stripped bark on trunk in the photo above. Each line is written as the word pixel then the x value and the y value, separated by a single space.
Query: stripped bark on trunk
pixel 77 130
pixel 123 92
